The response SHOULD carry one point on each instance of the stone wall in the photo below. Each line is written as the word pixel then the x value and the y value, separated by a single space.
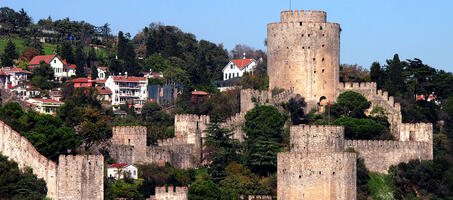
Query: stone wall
pixel 75 177
pixel 81 177
pixel 380 155
pixel 171 193
pixel 250 98
pixel 183 151
pixel 235 123
pixel 256 197
pixel 305 138
pixel 329 175
pixel 377 98
pixel 304 53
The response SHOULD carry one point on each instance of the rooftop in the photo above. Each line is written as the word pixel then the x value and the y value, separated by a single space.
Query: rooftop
pixel 129 79
pixel 241 63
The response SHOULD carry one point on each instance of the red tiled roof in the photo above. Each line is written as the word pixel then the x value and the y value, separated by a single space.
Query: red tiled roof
pixel 116 165
pixel 99 81
pixel 37 59
pixel 16 69
pixel 128 79
pixel 3 73
pixel 241 63
pixel 199 93
pixel 48 101
pixel 80 80
pixel 104 90
pixel 72 66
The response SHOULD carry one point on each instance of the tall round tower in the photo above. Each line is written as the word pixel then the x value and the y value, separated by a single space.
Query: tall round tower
pixel 304 53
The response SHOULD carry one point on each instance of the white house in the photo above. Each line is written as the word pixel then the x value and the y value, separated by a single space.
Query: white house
pixel 45 106
pixel 237 68
pixel 60 67
pixel 25 91
pixel 18 75
pixel 119 170
pixel 128 89
pixel 102 73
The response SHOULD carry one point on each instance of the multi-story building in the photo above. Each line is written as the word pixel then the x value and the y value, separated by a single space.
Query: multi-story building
pixel 128 89
pixel 18 75
pixel 44 106
pixel 60 66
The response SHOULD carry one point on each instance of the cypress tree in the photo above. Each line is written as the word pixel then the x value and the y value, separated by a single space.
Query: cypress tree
pixel 79 61
pixel 9 54
pixel 396 75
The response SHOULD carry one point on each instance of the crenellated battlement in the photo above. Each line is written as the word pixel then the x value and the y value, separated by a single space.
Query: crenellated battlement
pixel 303 16
pixel 386 145
pixel 306 138
pixel 172 141
pixel 170 192
pixel 191 118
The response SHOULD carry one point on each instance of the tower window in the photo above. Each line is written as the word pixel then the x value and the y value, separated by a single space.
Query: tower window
pixel 322 70
pixel 302 35
pixel 323 34
pixel 300 23
pixel 322 45
pixel 322 59
pixel 320 27
pixel 314 59
pixel 308 35
pixel 308 47
pixel 303 47
pixel 314 72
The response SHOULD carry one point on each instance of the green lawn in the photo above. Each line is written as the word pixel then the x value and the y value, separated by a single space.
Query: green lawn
pixel 47 48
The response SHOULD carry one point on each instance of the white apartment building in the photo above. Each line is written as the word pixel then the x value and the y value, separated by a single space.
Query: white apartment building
pixel 128 89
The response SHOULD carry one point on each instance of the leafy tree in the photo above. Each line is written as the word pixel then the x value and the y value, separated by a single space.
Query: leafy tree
pixel 353 73
pixel 204 190
pixel 9 54
pixel 362 129
pixel 221 150
pixel 157 121
pixel 377 74
pixel 295 106
pixel 241 180
pixel 350 104
pixel 19 184
pixel 30 52
pixel 362 179
pixel 176 75
pixel 156 63
pixel 264 130
pixel 43 76
pixel 256 81
pixel 121 189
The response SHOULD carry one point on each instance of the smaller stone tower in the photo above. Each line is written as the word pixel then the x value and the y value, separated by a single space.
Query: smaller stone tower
pixel 316 167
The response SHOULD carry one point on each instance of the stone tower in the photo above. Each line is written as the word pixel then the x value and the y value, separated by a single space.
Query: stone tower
pixel 304 53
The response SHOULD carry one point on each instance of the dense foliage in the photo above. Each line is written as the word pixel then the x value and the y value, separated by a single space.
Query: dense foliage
pixel 19 184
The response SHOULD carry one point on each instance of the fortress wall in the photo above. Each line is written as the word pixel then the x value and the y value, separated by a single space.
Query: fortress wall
pixel 305 138
pixel 379 155
pixel 303 16
pixel 306 56
pixel 131 136
pixel 263 98
pixel 235 124
pixel 81 177
pixel 421 132
pixel 90 178
pixel 171 193
pixel 316 176
pixel 377 98
pixel 181 156
pixel 19 149
pixel 189 126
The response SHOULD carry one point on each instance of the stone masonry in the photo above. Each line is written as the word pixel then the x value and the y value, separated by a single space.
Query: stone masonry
pixel 304 53
pixel 182 151
pixel 316 166
pixel 74 177
pixel 170 193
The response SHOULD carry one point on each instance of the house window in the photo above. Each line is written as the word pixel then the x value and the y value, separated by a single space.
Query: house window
pixel 54 61
pixel 135 172
pixel 231 66
pixel 226 76
pixel 237 74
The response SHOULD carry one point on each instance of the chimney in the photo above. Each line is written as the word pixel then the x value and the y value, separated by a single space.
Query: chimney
pixel 120 73
pixel 125 74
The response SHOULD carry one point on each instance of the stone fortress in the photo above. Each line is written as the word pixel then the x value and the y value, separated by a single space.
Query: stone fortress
pixel 303 59
pixel 74 177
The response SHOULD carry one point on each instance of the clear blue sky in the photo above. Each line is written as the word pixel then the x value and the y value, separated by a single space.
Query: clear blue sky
pixel 372 30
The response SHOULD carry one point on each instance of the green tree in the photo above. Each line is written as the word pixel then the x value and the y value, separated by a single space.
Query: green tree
pixel 240 179
pixel 19 184
pixel 80 61
pixel 204 190
pixel 156 63
pixel 67 52
pixel 377 74
pixel 295 106
pixel 9 54
pixel 256 81
pixel 222 150
pixel 350 104
pixel 362 129
pixel 264 130
pixel 157 121
pixel 43 76
pixel 395 70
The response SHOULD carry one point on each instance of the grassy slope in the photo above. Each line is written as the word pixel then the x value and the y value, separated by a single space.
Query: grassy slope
pixel 48 48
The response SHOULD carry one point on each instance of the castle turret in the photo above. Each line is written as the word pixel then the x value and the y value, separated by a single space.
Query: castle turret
pixel 304 53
